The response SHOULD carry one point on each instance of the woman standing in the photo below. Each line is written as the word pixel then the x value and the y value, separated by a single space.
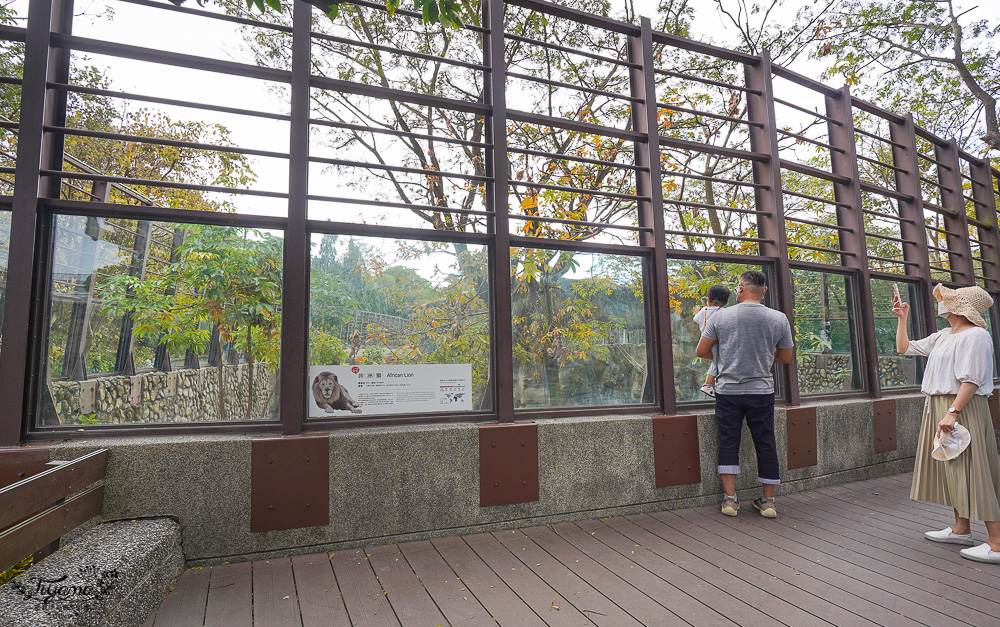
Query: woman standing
pixel 957 380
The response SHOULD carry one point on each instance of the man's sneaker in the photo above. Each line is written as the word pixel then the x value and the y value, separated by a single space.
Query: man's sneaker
pixel 730 506
pixel 766 509
pixel 708 389
pixel 947 535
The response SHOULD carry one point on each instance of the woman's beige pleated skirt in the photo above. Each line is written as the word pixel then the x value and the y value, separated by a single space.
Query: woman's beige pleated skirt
pixel 971 482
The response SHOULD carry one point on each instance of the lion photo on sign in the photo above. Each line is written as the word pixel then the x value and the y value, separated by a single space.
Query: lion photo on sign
pixel 330 395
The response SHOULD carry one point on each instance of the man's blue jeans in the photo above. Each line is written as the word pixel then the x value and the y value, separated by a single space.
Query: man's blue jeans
pixel 758 411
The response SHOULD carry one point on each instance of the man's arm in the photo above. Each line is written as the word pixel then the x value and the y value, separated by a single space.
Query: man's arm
pixel 782 355
pixel 704 349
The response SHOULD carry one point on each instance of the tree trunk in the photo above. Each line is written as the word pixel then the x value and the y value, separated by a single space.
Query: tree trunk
pixel 250 371
pixel 222 387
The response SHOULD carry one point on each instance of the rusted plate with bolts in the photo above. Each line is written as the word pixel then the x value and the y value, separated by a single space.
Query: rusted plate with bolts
pixel 885 425
pixel 800 425
pixel 675 450
pixel 508 463
pixel 289 482
pixel 994 402
pixel 20 462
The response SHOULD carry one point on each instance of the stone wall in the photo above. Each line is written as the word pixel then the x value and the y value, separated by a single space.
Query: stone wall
pixel 392 484
pixel 831 372
pixel 181 396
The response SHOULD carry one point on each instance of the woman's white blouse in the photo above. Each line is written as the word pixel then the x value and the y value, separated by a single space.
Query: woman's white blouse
pixel 954 359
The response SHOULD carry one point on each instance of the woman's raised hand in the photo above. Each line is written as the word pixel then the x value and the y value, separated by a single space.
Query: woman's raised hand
pixel 900 309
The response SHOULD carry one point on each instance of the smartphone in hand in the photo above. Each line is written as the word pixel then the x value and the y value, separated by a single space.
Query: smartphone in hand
pixel 897 300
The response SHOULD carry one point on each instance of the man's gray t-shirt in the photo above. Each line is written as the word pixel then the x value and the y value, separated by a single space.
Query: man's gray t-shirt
pixel 746 336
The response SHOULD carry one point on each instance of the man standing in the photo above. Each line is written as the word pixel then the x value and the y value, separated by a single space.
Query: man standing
pixel 745 341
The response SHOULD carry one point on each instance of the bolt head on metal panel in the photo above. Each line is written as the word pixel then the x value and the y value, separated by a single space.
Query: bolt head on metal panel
pixel 508 464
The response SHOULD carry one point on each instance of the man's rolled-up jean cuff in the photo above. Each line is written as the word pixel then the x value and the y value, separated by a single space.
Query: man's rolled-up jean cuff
pixel 769 481
pixel 729 470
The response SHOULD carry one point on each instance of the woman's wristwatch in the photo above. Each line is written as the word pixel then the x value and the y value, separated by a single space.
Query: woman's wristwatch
pixel 952 410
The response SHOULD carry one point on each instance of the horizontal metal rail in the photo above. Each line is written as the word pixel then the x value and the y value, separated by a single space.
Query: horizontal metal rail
pixel 862 131
pixel 398 95
pixel 582 17
pixel 706 81
pixel 939 209
pixel 12 33
pixel 220 17
pixel 932 182
pixel 564 85
pixel 714 179
pixel 568 50
pixel 562 157
pixel 701 205
pixel 940 269
pixel 397 205
pixel 822 249
pixel 882 164
pixel 396 232
pixel 804 81
pixel 400 51
pixel 945 250
pixel 401 169
pixel 573 125
pixel 888 216
pixel 166 101
pixel 601 225
pixel 142 139
pixel 722 236
pixel 810 140
pixel 827 201
pixel 884 191
pixel 407 13
pixel 161 214
pixel 725 151
pixel 876 110
pixel 714 116
pixel 808 111
pixel 520 241
pixel 389 131
pixel 808 170
pixel 890 238
pixel 825 225
pixel 660 37
pixel 167 184
pixel 577 190
pixel 934 161
pixel 901 262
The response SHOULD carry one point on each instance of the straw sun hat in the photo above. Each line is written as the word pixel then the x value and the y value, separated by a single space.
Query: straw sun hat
pixel 971 302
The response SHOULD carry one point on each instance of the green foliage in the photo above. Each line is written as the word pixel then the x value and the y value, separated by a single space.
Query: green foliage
pixel 16 569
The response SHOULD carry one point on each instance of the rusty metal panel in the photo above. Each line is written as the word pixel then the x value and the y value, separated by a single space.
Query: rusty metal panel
pixel 675 450
pixel 800 425
pixel 994 402
pixel 508 463
pixel 20 462
pixel 885 425
pixel 289 482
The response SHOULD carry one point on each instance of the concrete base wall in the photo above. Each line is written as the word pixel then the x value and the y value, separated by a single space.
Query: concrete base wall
pixel 395 484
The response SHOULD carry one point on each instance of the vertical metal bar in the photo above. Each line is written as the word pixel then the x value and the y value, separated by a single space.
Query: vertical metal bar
pixel 649 183
pixel 295 282
pixel 34 148
pixel 989 247
pixel 911 228
pixel 496 96
pixel 959 247
pixel 771 225
pixel 850 215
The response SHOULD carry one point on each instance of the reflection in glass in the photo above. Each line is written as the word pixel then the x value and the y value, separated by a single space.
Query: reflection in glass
pixel 380 302
pixel 134 305
pixel 689 283
pixel 895 370
pixel 4 255
pixel 824 332
pixel 579 325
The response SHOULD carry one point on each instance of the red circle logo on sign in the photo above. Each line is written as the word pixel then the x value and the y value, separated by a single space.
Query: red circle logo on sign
pixel 355 370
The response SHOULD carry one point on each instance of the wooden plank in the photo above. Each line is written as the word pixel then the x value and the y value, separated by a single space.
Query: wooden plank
pixel 802 540
pixel 683 605
pixel 404 591
pixel 531 588
pixel 723 581
pixel 274 599
pixel 499 600
pixel 719 600
pixel 827 600
pixel 20 462
pixel 452 595
pixel 319 595
pixel 184 605
pixel 579 593
pixel 363 595
pixel 32 495
pixel 639 606
pixel 810 575
pixel 230 596
pixel 40 530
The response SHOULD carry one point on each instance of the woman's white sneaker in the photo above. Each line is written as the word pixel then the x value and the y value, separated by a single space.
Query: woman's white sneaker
pixel 947 535
pixel 982 553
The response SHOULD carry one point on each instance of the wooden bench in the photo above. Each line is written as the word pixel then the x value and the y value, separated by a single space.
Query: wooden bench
pixel 113 574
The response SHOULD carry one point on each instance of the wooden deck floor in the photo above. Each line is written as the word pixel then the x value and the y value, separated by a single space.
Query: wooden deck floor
pixel 844 555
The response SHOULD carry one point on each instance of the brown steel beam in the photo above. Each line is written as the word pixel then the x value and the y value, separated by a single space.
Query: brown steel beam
pixel 295 264
pixel 502 345
pixel 849 214
pixel 950 179
pixel 986 212
pixel 904 155
pixel 649 184
pixel 771 224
